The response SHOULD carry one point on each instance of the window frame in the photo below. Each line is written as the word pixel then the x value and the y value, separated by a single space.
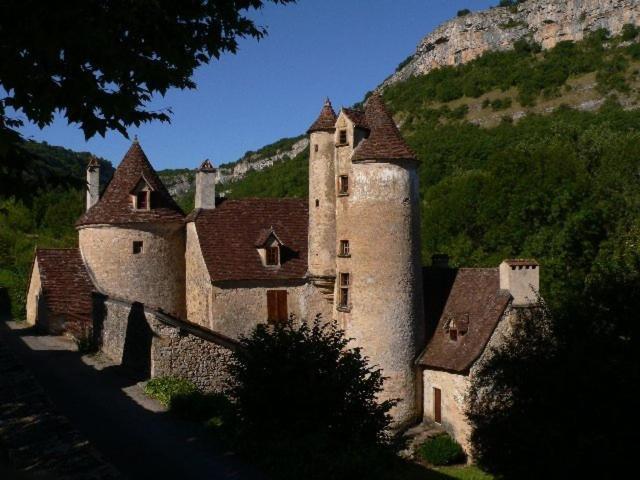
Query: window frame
pixel 272 256
pixel 137 247
pixel 344 295
pixel 277 306
pixel 343 137
pixel 344 249
pixel 146 194
pixel 343 185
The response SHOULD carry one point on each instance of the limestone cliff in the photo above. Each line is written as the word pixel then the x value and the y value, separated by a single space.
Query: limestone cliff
pixel 545 21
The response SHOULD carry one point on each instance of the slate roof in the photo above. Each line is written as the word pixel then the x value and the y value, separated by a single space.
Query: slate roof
pixel 228 234
pixel 384 141
pixel 66 285
pixel 471 294
pixel 326 120
pixel 115 205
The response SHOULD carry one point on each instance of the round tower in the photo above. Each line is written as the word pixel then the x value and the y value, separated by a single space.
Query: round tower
pixel 132 240
pixel 322 198
pixel 379 283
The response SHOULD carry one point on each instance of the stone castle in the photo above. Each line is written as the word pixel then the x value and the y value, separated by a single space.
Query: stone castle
pixel 170 294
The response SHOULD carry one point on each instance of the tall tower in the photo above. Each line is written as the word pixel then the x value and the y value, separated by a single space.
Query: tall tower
pixel 322 200
pixel 379 275
pixel 205 186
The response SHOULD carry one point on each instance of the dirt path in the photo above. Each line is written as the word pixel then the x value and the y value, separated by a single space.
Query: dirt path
pixel 110 410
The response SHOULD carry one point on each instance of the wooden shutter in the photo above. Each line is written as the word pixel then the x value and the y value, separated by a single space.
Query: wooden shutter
pixel 283 313
pixel 437 405
pixel 272 306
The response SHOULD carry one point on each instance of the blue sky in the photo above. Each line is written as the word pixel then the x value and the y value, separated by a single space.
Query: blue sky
pixel 275 88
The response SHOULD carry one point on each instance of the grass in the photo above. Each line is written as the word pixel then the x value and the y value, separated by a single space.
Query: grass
pixel 468 472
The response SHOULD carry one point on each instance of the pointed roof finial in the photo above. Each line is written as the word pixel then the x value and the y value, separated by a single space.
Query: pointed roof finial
pixel 206 166
pixel 93 162
pixel 135 138
pixel 326 120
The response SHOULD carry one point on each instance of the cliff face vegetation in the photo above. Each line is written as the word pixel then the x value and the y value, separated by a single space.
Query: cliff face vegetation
pixel 546 22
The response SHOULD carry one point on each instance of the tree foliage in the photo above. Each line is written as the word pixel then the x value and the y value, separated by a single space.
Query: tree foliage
pixel 99 63
pixel 301 388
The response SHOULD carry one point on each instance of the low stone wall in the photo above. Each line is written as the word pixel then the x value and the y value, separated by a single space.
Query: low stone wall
pixel 157 345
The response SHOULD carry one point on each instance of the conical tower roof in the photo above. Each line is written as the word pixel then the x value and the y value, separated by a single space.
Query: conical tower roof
pixel 326 121
pixel 116 205
pixel 385 141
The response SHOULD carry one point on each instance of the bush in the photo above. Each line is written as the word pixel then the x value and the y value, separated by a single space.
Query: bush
pixel 629 32
pixel 307 404
pixel 166 389
pixel 214 408
pixel 441 450
pixel 464 12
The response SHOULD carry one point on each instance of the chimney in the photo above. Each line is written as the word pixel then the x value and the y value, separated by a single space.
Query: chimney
pixel 522 279
pixel 93 182
pixel 206 186
pixel 440 260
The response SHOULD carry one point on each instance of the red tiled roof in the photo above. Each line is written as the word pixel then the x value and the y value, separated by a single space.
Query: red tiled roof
pixel 66 285
pixel 326 120
pixel 357 117
pixel 467 294
pixel 228 233
pixel 115 205
pixel 385 141
pixel 521 262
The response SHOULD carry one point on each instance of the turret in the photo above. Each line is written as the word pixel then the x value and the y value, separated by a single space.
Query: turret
pixel 93 182
pixel 322 198
pixel 132 239
pixel 206 186
pixel 379 275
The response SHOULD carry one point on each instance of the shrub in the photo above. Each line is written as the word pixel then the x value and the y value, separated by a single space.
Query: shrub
pixel 165 389
pixel 464 12
pixel 629 32
pixel 214 408
pixel 441 450
pixel 307 404
pixel 501 104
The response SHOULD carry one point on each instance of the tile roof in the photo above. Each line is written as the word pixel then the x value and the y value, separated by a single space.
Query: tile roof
pixel 66 285
pixel 358 117
pixel 115 206
pixel 228 233
pixel 468 296
pixel 326 120
pixel 385 141
pixel 521 262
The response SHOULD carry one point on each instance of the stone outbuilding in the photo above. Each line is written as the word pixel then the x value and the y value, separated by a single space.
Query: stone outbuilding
pixel 468 311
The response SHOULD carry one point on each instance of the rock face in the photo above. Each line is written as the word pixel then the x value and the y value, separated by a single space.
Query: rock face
pixel 180 182
pixel 545 21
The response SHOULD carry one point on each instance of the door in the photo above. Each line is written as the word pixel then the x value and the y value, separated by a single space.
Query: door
pixel 437 405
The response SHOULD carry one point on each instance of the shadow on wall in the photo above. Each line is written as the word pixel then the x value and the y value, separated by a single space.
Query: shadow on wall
pixel 136 355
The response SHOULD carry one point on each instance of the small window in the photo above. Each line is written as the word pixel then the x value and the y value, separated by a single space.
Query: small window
pixel 343 185
pixel 453 334
pixel 142 200
pixel 137 247
pixel 345 250
pixel 315 147
pixel 317 203
pixel 345 281
pixel 273 256
pixel 343 137
pixel 277 310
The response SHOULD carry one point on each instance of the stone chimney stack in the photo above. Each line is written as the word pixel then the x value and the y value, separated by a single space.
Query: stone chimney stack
pixel 93 182
pixel 206 186
pixel 522 279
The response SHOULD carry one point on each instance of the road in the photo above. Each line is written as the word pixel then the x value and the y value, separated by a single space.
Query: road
pixel 105 404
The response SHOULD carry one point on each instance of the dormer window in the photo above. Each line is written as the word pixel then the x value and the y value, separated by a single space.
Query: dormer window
pixel 273 256
pixel 457 325
pixel 141 195
pixel 142 200
pixel 269 248
pixel 342 137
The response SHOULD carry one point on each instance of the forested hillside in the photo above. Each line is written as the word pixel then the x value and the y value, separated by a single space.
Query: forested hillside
pixel 39 204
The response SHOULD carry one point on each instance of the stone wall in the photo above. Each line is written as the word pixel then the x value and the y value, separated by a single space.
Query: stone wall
pixel 237 308
pixel 546 21
pixel 155 276
pixel 198 282
pixel 156 345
